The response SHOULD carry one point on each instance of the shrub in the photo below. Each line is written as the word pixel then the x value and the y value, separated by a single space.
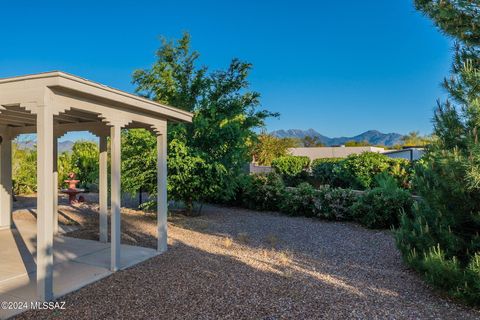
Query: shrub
pixel 24 169
pixel 260 191
pixel 324 172
pixel 358 171
pixel 334 203
pixel 292 168
pixel 84 160
pixel 440 238
pixel 300 200
pixel 382 206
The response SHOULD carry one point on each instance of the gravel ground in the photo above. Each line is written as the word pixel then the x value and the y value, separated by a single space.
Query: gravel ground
pixel 239 264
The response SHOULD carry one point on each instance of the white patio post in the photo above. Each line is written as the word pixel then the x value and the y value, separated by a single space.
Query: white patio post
pixel 6 182
pixel 44 203
pixel 115 141
pixel 55 185
pixel 162 205
pixel 103 189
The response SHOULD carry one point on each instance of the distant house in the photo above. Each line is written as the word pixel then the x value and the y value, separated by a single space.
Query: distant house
pixel 332 152
pixel 409 153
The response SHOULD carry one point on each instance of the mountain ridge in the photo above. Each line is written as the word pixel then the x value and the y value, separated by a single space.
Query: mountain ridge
pixel 373 137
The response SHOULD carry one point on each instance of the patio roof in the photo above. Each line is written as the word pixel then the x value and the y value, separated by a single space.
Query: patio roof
pixel 53 103
pixel 31 89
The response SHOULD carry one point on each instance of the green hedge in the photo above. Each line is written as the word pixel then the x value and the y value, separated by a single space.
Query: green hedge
pixel 324 171
pixel 381 207
pixel 358 171
pixel 293 169
pixel 268 192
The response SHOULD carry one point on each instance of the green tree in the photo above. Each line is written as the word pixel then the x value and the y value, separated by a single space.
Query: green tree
pixel 226 113
pixel 415 139
pixel 311 141
pixel 24 167
pixel 353 143
pixel 85 163
pixel 441 237
pixel 139 162
pixel 65 166
pixel 268 147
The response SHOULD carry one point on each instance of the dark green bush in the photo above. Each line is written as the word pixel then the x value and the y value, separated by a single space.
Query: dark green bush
pixel 334 203
pixel 324 173
pixel 440 238
pixel 293 169
pixel 300 200
pixel 382 206
pixel 260 191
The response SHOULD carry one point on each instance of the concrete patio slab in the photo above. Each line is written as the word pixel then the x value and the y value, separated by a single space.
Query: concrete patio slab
pixel 77 263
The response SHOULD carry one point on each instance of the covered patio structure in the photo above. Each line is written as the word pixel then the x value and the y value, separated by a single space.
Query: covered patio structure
pixel 50 105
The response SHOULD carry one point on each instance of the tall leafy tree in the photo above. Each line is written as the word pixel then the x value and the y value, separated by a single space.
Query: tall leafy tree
pixel 226 113
pixel 268 147
pixel 84 159
pixel 312 141
pixel 415 139
pixel 441 238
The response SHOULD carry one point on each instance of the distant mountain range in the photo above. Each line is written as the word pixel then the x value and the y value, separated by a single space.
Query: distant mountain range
pixel 63 146
pixel 373 137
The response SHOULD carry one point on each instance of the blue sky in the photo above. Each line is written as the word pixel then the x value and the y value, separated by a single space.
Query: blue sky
pixel 340 67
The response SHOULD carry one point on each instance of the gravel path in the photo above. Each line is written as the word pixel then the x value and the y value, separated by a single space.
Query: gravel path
pixel 240 264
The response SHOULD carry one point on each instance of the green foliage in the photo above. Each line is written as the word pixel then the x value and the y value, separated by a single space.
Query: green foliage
pixel 300 201
pixel 324 171
pixel 358 171
pixel 24 169
pixel 459 19
pixel 139 161
pixel 291 168
pixel 260 191
pixel 226 114
pixel 414 138
pixel 440 237
pixel 191 177
pixel 268 192
pixel 353 143
pixel 382 206
pixel 267 147
pixel 310 142
pixel 65 166
pixel 85 163
pixel 335 203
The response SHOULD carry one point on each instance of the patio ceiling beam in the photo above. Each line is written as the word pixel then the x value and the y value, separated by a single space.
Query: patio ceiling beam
pixel 7 121
pixel 25 118
pixel 82 114
pixel 73 119
pixel 16 110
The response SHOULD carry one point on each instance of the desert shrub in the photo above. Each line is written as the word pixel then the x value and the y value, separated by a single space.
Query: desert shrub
pixel 358 171
pixel 324 172
pixel 382 206
pixel 334 203
pixel 293 169
pixel 300 200
pixel 260 191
